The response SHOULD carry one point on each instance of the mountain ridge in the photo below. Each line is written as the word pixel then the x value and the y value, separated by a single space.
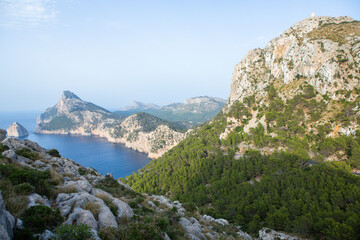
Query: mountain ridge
pixel 71 115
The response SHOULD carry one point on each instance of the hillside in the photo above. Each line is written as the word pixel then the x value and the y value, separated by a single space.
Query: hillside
pixel 281 153
pixel 193 112
pixel 142 132
pixel 46 196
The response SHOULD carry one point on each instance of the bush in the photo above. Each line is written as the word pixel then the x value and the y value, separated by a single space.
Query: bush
pixel 54 152
pixel 82 171
pixel 39 218
pixel 26 152
pixel 70 232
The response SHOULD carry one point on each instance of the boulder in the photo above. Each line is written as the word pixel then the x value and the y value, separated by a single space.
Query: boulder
pixel 17 130
pixel 46 235
pixel 80 185
pixel 79 216
pixel 10 154
pixel 7 222
pixel 2 134
pixel 192 228
pixel 269 234
pixel 13 143
pixel 35 199
pixel 123 210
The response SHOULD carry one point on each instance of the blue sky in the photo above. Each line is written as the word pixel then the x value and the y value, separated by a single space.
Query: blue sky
pixel 113 52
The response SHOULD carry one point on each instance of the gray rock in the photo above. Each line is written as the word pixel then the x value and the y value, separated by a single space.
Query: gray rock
pixel 152 204
pixel 163 200
pixel 10 154
pixel 79 216
pixel 165 236
pixel 192 228
pixel 269 234
pixel 17 130
pixel 98 192
pixel 46 235
pixel 106 218
pixel 19 223
pixel 244 235
pixel 80 185
pixel 7 222
pixel 2 134
pixel 13 143
pixel 35 199
pixel 221 221
pixel 123 210
pixel 34 146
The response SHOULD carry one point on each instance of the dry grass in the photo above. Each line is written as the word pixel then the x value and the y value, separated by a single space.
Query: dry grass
pixel 67 189
pixel 104 197
pixel 336 32
pixel 56 177
pixel 16 204
pixel 94 208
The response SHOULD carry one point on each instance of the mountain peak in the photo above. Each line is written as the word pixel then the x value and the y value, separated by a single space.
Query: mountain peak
pixel 69 95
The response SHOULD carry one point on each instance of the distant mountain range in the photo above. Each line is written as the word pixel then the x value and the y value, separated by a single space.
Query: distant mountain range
pixel 192 112
pixel 140 131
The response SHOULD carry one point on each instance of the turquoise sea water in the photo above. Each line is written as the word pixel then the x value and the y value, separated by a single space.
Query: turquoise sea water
pixel 91 151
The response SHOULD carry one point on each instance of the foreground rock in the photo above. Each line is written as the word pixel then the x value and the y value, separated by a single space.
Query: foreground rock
pixel 17 130
pixel 2 134
pixel 7 222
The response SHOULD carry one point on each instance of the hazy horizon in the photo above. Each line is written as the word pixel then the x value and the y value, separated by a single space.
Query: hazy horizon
pixel 114 52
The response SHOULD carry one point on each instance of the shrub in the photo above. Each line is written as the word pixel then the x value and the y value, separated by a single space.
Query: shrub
pixel 190 207
pixel 24 188
pixel 70 232
pixel 39 218
pixel 54 152
pixel 26 152
pixel 82 171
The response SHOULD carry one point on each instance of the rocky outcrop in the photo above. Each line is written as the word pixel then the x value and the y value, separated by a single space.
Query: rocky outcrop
pixel 71 115
pixel 269 234
pixel 7 222
pixel 17 130
pixel 2 134
pixel 309 51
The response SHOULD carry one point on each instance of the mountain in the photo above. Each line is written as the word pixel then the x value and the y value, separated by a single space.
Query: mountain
pixel 46 196
pixel 285 150
pixel 193 112
pixel 141 132
pixel 139 106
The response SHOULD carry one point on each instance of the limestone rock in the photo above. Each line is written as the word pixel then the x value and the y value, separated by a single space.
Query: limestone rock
pixel 192 228
pixel 46 235
pixel 81 216
pixel 10 154
pixel 2 134
pixel 123 210
pixel 7 222
pixel 35 199
pixel 269 234
pixel 17 130
pixel 80 185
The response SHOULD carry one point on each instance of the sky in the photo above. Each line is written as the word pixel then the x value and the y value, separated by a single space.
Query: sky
pixel 113 52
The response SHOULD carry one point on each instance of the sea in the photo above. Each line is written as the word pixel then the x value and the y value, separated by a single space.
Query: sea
pixel 89 151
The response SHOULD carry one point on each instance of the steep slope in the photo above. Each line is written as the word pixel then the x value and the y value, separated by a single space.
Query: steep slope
pixel 280 154
pixel 46 196
pixel 193 112
pixel 141 132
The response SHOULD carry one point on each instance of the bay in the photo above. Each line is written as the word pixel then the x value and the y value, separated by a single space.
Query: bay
pixel 89 151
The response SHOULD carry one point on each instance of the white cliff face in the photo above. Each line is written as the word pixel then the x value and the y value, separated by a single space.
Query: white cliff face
pixel 309 51
pixel 17 130
pixel 71 115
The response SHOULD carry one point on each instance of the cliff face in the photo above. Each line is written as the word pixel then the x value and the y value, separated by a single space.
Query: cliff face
pixel 304 82
pixel 323 51
pixel 71 115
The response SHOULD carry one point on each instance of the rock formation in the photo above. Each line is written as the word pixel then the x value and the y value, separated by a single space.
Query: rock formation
pixel 141 132
pixel 7 222
pixel 2 134
pixel 17 130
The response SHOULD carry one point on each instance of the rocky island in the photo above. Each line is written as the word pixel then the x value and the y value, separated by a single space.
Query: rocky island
pixel 17 130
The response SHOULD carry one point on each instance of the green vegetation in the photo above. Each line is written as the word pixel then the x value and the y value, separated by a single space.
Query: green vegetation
pixel 54 152
pixel 26 152
pixel 59 122
pixel 149 122
pixel 285 190
pixel 70 232
pixel 336 32
pixel 39 218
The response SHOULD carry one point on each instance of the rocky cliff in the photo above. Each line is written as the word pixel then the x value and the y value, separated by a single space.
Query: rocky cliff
pixel 306 79
pixel 17 130
pixel 73 197
pixel 71 115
